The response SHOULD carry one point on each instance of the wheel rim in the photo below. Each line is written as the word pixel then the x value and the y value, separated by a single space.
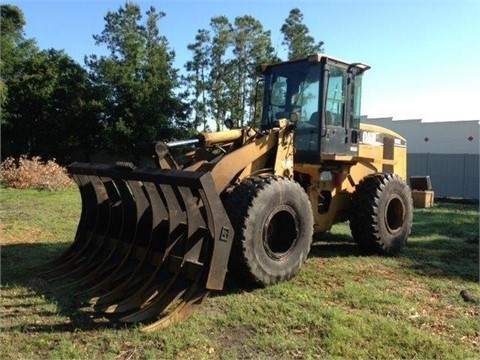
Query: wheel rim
pixel 395 215
pixel 280 232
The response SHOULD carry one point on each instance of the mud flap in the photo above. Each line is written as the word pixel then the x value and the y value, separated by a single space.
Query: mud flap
pixel 150 243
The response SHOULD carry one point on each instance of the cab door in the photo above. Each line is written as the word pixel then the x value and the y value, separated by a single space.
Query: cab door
pixel 340 126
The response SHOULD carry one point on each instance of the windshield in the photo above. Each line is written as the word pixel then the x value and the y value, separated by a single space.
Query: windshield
pixel 292 87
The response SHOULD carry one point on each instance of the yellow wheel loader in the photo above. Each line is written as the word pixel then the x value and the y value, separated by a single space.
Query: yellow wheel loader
pixel 152 242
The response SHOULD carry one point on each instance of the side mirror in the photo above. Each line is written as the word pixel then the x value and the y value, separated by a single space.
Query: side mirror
pixel 228 123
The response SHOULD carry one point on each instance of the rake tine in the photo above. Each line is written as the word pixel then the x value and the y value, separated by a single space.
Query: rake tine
pixel 166 297
pixel 95 203
pixel 141 240
pixel 157 307
pixel 155 249
pixel 77 244
pixel 106 214
pixel 182 312
pixel 193 249
pixel 176 237
pixel 116 247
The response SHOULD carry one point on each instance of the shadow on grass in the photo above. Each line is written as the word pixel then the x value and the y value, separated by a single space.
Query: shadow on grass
pixel 20 264
pixel 328 245
pixel 435 255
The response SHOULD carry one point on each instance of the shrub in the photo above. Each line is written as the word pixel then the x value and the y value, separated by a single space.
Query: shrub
pixel 33 173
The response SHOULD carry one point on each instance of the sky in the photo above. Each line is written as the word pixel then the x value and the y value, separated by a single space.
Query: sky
pixel 425 55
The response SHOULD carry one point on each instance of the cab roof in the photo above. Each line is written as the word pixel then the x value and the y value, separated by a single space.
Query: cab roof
pixel 316 58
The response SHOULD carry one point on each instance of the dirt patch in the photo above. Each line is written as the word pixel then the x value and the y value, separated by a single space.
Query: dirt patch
pixel 27 235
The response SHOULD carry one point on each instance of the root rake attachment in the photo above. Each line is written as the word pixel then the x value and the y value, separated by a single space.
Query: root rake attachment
pixel 150 243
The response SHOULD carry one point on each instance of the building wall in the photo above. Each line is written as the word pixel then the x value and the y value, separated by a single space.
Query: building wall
pixel 449 137
pixel 452 175
pixel 446 151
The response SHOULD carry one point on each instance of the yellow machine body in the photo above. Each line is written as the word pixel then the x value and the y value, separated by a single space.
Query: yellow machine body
pixel 152 242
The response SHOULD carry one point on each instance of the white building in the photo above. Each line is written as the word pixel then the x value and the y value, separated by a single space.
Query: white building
pixel 446 151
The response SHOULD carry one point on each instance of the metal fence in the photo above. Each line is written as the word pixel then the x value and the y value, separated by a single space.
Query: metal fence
pixel 452 175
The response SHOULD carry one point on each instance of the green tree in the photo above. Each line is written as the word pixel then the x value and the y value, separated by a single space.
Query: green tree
pixel 47 101
pixel 198 69
pixel 221 80
pixel 15 49
pixel 229 54
pixel 138 80
pixel 210 71
pixel 50 109
pixel 296 37
pixel 251 47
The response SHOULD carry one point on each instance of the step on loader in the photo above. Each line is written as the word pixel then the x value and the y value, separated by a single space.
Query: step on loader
pixel 153 241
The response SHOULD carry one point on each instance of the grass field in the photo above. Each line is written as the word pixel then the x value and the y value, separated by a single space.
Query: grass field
pixel 342 304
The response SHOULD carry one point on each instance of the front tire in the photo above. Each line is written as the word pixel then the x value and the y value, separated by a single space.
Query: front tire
pixel 273 223
pixel 381 214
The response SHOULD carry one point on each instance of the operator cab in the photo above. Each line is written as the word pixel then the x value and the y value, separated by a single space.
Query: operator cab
pixel 322 95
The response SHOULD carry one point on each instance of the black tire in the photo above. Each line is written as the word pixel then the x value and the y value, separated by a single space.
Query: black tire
pixel 273 223
pixel 381 214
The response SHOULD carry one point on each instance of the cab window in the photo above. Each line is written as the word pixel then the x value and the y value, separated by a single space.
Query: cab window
pixel 336 92
pixel 356 101
pixel 308 98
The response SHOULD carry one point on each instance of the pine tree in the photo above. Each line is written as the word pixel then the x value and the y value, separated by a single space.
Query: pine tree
pixel 138 80
pixel 296 37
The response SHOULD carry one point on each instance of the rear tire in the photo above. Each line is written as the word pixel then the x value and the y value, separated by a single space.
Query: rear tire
pixel 381 214
pixel 273 223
